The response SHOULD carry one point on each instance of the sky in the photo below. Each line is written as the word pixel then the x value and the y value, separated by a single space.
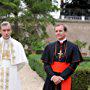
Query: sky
pixel 56 14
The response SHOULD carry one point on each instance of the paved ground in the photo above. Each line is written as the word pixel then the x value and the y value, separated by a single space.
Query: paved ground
pixel 30 80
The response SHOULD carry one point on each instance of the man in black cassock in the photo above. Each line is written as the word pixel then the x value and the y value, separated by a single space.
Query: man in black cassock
pixel 60 60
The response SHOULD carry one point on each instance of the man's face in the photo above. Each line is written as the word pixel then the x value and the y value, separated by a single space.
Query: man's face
pixel 59 32
pixel 6 31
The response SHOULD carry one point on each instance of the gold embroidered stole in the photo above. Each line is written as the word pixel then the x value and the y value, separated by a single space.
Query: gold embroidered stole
pixel 8 53
pixel 4 78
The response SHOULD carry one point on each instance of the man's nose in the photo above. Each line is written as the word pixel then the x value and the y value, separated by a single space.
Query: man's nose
pixel 6 32
pixel 58 32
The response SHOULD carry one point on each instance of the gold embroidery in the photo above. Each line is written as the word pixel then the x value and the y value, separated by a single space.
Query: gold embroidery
pixel 2 79
pixel 60 54
pixel 7 78
pixel 0 47
pixel 8 54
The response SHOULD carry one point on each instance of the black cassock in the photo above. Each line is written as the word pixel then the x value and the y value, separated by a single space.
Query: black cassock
pixel 71 55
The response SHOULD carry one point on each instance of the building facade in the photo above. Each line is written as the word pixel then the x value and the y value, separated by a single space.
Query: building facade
pixel 73 9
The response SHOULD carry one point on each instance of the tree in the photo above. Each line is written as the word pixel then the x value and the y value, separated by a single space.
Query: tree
pixel 11 7
pixel 36 17
pixel 30 26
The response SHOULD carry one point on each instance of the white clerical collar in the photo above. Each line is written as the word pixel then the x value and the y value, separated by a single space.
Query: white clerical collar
pixel 61 41
pixel 6 40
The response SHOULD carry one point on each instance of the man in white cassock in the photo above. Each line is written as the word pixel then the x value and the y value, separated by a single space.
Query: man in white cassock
pixel 12 59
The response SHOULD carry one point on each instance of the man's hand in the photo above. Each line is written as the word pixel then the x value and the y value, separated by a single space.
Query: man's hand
pixel 57 79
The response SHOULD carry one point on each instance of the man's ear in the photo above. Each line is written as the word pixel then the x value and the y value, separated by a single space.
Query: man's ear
pixel 11 30
pixel 0 31
pixel 66 33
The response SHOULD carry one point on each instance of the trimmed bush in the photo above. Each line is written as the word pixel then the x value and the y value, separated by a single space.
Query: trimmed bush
pixel 86 58
pixel 81 80
pixel 36 64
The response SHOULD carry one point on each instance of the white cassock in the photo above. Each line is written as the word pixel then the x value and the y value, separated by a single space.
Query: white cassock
pixel 12 59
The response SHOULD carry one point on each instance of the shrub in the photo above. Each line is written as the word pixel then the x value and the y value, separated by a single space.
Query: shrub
pixel 80 80
pixel 37 65
pixel 86 58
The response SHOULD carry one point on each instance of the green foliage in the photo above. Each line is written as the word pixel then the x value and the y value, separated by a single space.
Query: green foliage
pixel 84 66
pixel 38 45
pixel 40 6
pixel 35 20
pixel 81 44
pixel 29 27
pixel 37 65
pixel 86 58
pixel 80 80
pixel 35 56
pixel 10 6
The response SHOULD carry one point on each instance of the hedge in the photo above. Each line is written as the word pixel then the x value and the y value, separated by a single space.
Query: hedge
pixel 37 65
pixel 81 80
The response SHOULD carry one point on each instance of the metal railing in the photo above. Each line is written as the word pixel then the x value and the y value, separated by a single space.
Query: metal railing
pixel 82 18
pixel 73 17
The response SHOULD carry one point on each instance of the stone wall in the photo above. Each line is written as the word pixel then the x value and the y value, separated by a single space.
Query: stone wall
pixel 77 30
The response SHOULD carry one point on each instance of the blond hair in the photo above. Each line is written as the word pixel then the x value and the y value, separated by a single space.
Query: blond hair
pixel 5 23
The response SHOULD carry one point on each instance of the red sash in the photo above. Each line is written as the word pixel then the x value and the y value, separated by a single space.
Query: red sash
pixel 59 67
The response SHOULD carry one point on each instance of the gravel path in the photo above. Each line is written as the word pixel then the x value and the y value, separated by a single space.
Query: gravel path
pixel 30 80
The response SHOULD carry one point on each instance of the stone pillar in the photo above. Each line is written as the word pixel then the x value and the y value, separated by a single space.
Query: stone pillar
pixel 62 17
pixel 83 18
